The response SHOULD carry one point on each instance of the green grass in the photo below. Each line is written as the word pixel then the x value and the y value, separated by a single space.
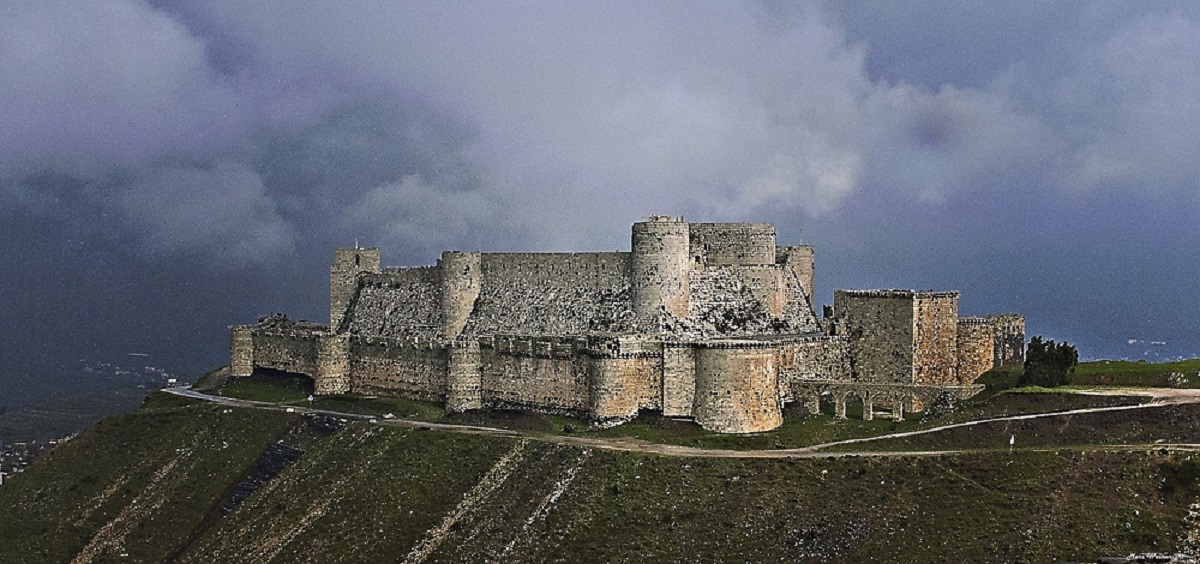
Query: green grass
pixel 53 509
pixel 1105 373
pixel 212 380
pixel 380 406
pixel 371 493
pixel 268 386
pixel 541 423
pixel 1126 373
pixel 999 379
pixel 68 415
pixel 1167 424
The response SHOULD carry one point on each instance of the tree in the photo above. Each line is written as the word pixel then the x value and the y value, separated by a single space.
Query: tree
pixel 1048 363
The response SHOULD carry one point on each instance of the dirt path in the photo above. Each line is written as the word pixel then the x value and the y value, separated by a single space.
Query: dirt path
pixel 1161 397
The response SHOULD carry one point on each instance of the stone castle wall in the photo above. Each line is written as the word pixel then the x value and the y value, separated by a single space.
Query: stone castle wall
pixel 343 279
pixel 1010 338
pixel 703 320
pixel 799 259
pixel 625 375
pixel 880 328
pixel 289 351
pixel 619 387
pixel 552 294
pixel 402 303
pixel 976 340
pixel 332 374
pixel 767 285
pixel 461 279
pixel 935 338
pixel 659 268
pixel 678 379
pixel 389 367
pixel 464 376
pixel 816 358
pixel 241 350
pixel 545 374
pixel 741 244
pixel 900 336
pixel 731 301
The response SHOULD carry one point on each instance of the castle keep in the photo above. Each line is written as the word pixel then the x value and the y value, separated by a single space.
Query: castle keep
pixel 708 321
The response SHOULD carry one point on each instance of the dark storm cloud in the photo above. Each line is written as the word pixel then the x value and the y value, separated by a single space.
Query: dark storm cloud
pixel 212 154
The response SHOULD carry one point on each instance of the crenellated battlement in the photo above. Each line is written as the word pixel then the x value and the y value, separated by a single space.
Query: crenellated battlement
pixel 709 321
pixel 898 293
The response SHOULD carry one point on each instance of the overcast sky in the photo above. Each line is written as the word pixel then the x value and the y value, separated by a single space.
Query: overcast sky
pixel 170 168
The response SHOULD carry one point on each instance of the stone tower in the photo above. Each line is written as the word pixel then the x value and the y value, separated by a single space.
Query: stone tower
pixel 343 279
pixel 900 336
pixel 737 387
pixel 460 281
pixel 659 267
pixel 799 259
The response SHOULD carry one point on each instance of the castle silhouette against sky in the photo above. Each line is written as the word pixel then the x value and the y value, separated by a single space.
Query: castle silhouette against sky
pixel 708 321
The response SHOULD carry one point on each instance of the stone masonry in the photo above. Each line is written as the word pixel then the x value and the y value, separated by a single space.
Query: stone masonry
pixel 708 321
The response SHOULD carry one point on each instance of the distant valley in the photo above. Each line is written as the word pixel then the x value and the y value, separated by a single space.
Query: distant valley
pixel 45 400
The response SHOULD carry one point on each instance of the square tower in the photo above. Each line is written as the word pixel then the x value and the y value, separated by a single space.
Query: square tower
pixel 900 336
pixel 343 279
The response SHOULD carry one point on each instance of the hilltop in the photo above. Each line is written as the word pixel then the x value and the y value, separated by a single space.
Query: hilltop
pixel 163 483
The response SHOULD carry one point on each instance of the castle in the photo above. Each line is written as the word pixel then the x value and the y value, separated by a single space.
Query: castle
pixel 708 321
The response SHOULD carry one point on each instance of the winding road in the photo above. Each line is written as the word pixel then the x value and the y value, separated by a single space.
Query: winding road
pixel 1160 397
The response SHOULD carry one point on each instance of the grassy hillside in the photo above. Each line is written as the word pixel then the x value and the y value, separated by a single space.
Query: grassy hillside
pixel 149 485
pixel 1179 374
pixel 1127 373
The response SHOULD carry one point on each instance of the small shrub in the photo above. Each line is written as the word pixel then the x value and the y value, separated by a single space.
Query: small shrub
pixel 1047 363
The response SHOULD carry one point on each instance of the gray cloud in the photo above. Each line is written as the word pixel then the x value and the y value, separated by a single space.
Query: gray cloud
pixel 220 209
pixel 104 80
pixel 914 144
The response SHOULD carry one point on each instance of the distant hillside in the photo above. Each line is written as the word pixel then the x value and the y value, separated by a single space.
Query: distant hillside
pixel 154 485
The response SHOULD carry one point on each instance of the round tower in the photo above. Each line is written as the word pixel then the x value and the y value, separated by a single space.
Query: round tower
pixel 461 279
pixel 737 388
pixel 659 267
pixel 612 398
